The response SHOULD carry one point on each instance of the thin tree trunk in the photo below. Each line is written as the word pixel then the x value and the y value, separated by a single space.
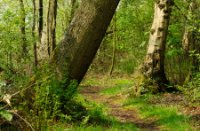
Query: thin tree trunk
pixel 48 27
pixel 188 37
pixel 190 40
pixel 114 44
pixel 40 20
pixel 153 67
pixel 51 25
pixel 33 34
pixel 23 29
pixel 42 31
pixel 54 25
pixel 76 51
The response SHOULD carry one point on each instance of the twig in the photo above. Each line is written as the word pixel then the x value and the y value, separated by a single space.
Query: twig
pixel 16 93
pixel 22 90
pixel 23 120
pixel 4 107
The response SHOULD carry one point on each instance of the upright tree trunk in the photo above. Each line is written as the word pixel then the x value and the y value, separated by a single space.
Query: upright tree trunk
pixel 33 34
pixel 40 20
pixel 191 40
pixel 51 25
pixel 23 28
pixel 114 44
pixel 42 31
pixel 54 25
pixel 153 67
pixel 76 51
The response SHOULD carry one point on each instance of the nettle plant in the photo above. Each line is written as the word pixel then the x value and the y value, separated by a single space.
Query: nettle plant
pixel 53 100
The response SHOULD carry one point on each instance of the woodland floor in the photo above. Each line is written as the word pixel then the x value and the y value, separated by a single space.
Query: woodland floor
pixel 132 115
pixel 116 109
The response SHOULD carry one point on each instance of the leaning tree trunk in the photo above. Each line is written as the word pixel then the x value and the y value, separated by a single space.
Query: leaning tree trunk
pixel 153 67
pixel 76 51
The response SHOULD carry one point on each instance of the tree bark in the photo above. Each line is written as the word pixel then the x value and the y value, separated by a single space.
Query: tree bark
pixel 40 20
pixel 23 29
pixel 33 34
pixel 114 44
pixel 51 26
pixel 76 51
pixel 190 40
pixel 153 67
pixel 42 31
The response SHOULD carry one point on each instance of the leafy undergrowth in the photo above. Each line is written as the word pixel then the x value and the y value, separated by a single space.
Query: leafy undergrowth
pixel 107 105
pixel 96 119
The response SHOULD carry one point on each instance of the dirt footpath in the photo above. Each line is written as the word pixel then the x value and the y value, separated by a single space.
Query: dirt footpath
pixel 116 109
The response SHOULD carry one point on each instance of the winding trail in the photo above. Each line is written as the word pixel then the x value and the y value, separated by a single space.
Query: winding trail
pixel 116 109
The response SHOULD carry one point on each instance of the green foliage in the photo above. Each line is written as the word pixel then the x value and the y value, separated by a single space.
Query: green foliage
pixel 98 119
pixel 195 55
pixel 6 115
pixel 113 127
pixel 126 65
pixel 52 99
pixel 133 21
pixel 10 39
pixel 192 89
pixel 94 113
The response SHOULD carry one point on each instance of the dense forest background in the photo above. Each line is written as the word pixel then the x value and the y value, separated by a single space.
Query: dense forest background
pixel 47 46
